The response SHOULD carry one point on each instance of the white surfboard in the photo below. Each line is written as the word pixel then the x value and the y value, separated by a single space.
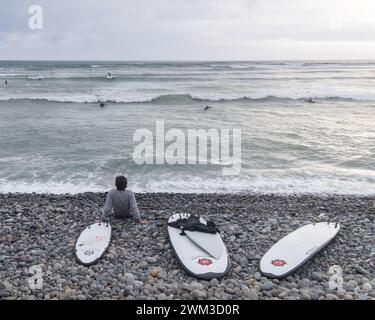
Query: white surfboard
pixel 297 248
pixel 206 241
pixel 92 243
pixel 194 258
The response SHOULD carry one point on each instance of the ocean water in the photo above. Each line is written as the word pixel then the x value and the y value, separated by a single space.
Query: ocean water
pixel 55 138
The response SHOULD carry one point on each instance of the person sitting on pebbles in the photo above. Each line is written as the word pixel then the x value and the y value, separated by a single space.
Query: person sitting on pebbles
pixel 123 203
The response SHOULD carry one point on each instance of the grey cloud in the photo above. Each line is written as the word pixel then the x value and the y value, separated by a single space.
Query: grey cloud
pixel 180 29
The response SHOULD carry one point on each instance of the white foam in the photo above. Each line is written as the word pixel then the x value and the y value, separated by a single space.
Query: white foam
pixel 49 187
pixel 259 186
pixel 178 183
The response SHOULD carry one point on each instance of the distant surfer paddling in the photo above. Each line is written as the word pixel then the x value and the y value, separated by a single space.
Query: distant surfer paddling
pixel 122 202
pixel 309 100
pixel 207 108
pixel 101 103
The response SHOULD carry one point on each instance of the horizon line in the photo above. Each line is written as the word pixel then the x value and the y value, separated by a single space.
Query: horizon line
pixel 180 60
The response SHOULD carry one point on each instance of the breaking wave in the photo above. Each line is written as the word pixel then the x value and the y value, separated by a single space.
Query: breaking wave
pixel 181 99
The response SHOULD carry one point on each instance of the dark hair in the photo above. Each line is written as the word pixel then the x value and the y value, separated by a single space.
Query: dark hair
pixel 121 183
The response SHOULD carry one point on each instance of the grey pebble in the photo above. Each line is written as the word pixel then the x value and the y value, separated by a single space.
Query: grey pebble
pixel 4 294
pixel 140 263
pixel 317 276
pixel 267 286
pixel 151 260
pixel 199 294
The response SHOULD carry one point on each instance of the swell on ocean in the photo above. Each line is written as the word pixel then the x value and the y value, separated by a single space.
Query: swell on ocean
pixel 55 137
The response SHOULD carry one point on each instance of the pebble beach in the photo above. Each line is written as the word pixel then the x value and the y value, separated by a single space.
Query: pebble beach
pixel 41 230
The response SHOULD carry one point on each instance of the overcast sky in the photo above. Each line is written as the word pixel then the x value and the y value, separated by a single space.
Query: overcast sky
pixel 189 29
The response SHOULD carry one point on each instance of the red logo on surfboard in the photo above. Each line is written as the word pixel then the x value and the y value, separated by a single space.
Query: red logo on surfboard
pixel 100 238
pixel 205 261
pixel 279 263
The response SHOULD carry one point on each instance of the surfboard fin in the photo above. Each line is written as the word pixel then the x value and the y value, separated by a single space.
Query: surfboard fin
pixel 182 232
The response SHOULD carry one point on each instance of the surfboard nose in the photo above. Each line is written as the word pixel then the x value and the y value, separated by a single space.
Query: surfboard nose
pixel 92 243
pixel 295 249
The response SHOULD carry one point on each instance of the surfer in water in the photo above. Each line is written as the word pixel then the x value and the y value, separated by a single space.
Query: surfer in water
pixel 6 81
pixel 207 108
pixel 123 203
pixel 309 100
